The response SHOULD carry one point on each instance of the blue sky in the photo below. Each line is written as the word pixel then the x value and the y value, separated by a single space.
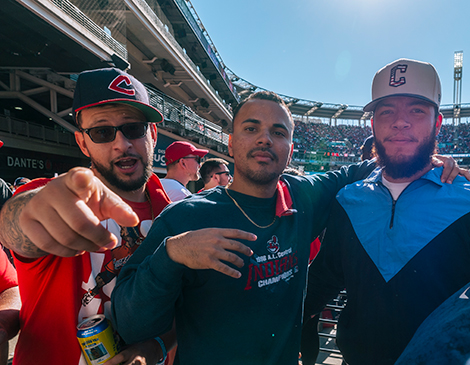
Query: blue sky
pixel 329 50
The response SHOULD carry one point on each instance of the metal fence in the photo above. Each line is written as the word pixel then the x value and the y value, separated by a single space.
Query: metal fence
pixel 335 307
pixel 179 114
pixel 76 14
pixel 36 131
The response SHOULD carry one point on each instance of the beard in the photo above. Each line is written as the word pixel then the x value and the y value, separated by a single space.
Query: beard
pixel 406 166
pixel 262 177
pixel 111 177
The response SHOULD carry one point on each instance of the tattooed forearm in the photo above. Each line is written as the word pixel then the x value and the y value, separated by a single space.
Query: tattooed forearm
pixel 11 234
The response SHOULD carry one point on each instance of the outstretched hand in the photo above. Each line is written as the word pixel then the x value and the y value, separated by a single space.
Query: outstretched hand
pixel 209 248
pixel 63 218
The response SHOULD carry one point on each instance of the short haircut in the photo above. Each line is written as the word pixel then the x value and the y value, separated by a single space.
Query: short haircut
pixel 263 95
pixel 209 166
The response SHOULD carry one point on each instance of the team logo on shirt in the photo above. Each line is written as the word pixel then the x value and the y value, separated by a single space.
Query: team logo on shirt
pixel 275 267
pixel 393 75
pixel 273 245
pixel 131 238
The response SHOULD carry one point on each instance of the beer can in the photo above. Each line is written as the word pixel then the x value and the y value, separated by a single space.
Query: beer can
pixel 96 339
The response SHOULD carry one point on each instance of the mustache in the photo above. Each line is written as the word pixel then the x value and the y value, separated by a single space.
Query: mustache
pixel 127 155
pixel 263 149
pixel 410 138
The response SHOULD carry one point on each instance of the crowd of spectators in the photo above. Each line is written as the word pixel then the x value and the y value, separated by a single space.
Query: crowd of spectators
pixel 318 136
pixel 454 139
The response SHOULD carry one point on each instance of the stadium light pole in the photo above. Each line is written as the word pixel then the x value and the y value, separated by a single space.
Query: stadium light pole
pixel 458 66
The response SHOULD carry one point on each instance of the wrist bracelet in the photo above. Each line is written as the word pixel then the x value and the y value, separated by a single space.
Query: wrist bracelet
pixel 162 345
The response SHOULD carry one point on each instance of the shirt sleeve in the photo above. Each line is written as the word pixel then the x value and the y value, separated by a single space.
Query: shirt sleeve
pixel 176 195
pixel 333 181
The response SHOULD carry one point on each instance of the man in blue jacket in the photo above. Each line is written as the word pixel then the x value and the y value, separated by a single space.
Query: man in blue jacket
pixel 398 241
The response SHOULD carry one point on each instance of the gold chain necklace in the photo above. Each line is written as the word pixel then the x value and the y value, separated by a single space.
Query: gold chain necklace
pixel 246 215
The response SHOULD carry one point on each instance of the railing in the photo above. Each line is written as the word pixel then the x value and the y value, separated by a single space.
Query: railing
pixel 180 114
pixel 157 23
pixel 337 307
pixel 75 13
pixel 172 110
pixel 196 24
pixel 36 131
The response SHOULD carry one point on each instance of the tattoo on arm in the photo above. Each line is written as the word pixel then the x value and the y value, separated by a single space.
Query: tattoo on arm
pixel 11 234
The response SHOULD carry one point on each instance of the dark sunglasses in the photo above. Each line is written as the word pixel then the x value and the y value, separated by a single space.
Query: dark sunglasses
pixel 223 172
pixel 197 158
pixel 107 133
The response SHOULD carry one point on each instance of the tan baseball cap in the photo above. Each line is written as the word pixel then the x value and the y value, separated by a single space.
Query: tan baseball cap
pixel 406 77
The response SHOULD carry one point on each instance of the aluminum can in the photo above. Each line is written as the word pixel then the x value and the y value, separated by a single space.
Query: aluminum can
pixel 96 339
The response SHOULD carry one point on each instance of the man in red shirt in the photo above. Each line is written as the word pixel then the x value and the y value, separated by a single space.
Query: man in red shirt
pixel 86 223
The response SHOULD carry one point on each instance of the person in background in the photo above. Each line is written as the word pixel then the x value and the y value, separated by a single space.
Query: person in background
pixel 182 161
pixel 367 149
pixel 19 181
pixel 398 241
pixel 214 172
pixel 72 234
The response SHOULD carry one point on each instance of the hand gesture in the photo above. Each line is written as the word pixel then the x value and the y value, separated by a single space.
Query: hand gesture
pixel 208 248
pixel 63 217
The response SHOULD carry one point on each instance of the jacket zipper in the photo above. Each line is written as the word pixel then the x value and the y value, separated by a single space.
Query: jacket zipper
pixel 394 202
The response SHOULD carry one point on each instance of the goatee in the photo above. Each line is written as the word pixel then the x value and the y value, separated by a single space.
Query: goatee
pixel 406 166
pixel 262 177
pixel 130 185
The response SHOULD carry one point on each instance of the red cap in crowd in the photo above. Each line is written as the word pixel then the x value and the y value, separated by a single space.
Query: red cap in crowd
pixel 179 149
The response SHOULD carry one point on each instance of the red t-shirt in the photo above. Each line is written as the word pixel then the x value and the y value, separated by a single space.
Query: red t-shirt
pixel 59 292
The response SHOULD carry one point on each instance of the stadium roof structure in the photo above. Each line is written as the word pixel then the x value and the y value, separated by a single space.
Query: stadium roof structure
pixel 317 109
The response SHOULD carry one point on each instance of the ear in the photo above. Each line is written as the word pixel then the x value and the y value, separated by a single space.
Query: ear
pixel 372 123
pixel 182 163
pixel 230 150
pixel 80 139
pixel 154 133
pixel 438 123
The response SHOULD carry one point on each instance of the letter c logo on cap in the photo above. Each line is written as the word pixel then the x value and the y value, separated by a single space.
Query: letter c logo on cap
pixel 114 85
pixel 393 75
